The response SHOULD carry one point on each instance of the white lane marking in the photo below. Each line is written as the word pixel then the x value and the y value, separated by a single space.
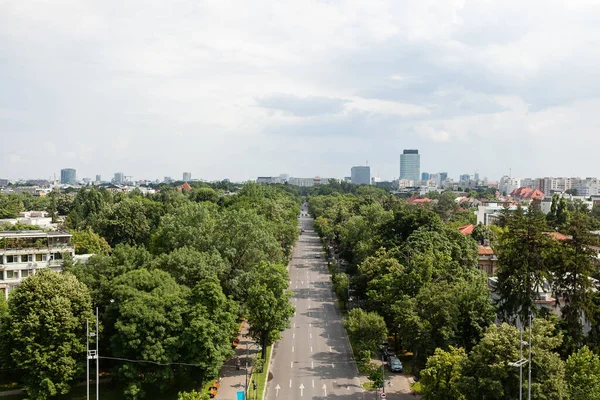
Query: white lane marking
pixel 313 383
pixel 330 349
pixel 309 325
pixel 291 364
pixel 332 366
pixel 310 334
pixel 293 336
pixel 312 364
pixel 311 349
pixel 290 383
pixel 294 324
pixel 292 349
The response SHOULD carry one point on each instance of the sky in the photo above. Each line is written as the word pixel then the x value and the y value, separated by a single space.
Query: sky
pixel 239 89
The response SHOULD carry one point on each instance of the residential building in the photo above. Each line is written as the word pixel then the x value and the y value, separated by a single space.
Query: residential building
pixel 464 179
pixel 119 178
pixel 587 187
pixel 68 176
pixel 361 175
pixel 476 176
pixel 488 213
pixel 410 165
pixel 98 178
pixel 404 183
pixel 529 183
pixel 23 253
pixel 302 182
pixel 425 176
pixel 526 194
pixel 3 182
pixel 508 184
pixel 168 180
pixel 187 176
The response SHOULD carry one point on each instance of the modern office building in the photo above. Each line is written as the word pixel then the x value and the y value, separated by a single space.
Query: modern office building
pixel 23 253
pixel 98 178
pixel 68 176
pixel 361 175
pixel 410 165
pixel 187 176
pixel 119 178
pixel 425 176
pixel 443 177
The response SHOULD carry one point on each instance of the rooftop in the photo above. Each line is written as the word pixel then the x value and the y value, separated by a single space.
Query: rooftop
pixel 32 234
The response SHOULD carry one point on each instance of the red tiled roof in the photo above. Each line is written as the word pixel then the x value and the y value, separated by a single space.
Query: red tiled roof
pixel 416 200
pixel 527 193
pixel 558 236
pixel 485 251
pixel 467 229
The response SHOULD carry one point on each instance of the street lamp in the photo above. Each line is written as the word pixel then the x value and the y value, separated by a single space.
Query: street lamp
pixel 259 348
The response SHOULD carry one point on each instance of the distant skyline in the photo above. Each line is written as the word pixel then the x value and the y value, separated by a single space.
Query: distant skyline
pixel 225 90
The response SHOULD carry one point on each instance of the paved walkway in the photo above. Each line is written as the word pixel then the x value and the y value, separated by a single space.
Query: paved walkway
pixel 233 380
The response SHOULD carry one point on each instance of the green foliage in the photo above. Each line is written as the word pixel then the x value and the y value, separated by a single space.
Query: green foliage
pixel 124 222
pixel 440 379
pixel 582 372
pixel 366 330
pixel 88 242
pixel 267 303
pixel 45 329
pixel 482 233
pixel 193 395
pixel 486 372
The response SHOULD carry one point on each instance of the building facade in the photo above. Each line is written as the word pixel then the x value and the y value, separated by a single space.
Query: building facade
pixel 119 178
pixel 361 175
pixel 425 176
pixel 410 165
pixel 68 176
pixel 23 253
pixel 187 176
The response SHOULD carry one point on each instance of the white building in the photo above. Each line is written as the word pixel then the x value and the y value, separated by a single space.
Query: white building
pixel 508 184
pixel 587 187
pixel 23 253
pixel 487 214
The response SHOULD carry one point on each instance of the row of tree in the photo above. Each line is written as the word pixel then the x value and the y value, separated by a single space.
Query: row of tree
pixel 174 274
pixel 412 267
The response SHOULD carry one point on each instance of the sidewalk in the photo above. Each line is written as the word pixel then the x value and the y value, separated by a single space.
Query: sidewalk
pixel 232 379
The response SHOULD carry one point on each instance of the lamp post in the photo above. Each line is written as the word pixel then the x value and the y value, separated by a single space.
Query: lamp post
pixel 259 348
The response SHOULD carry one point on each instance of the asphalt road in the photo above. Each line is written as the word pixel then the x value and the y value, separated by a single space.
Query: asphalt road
pixel 313 359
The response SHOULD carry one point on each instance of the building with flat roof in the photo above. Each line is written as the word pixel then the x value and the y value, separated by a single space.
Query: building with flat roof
pixel 68 176
pixel 23 253
pixel 361 175
pixel 410 165
pixel 187 176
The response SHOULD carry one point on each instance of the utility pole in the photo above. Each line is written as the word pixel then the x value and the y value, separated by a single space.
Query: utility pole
pixel 382 374
pixel 530 342
pixel 247 355
pixel 87 358
pixel 97 358
pixel 91 355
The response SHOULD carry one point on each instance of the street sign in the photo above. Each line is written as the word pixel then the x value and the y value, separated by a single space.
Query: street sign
pixel 241 396
pixel 383 396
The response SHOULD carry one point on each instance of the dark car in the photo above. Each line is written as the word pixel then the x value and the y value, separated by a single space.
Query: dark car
pixel 387 353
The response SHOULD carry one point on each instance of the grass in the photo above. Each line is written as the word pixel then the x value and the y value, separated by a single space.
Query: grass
pixel 8 386
pixel 260 378
pixel 368 386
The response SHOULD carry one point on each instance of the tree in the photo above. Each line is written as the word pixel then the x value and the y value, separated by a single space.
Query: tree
pixel 124 222
pixel 487 373
pixel 193 395
pixel 574 267
pixel 366 329
pixel 482 233
pixel 268 304
pixel 88 242
pixel 441 377
pixel 146 322
pixel 524 258
pixel 582 371
pixel 562 213
pixel 46 325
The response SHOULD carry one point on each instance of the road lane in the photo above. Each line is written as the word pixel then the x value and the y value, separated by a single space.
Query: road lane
pixel 313 359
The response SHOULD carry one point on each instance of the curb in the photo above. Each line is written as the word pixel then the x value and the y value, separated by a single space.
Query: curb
pixel 268 371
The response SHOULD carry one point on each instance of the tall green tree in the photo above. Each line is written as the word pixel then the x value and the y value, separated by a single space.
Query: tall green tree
pixel 366 329
pixel 46 325
pixel 524 258
pixel 582 371
pixel 268 307
pixel 487 374
pixel 441 377
pixel 88 242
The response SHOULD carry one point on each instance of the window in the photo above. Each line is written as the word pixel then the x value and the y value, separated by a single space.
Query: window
pixel 11 275
pixel 44 257
pixel 29 257
pixel 9 259
pixel 38 257
pixel 24 273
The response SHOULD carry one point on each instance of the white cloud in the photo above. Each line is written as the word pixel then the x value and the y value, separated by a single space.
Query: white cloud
pixel 154 89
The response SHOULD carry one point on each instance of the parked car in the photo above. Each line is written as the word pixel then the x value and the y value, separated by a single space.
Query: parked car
pixel 396 365
pixel 387 353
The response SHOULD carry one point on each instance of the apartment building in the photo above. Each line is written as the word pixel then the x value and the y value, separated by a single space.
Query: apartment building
pixel 22 253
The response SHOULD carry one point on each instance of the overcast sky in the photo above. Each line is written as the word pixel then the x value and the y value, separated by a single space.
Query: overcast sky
pixel 239 89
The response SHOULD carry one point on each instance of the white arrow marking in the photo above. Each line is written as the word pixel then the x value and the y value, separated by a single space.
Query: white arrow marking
pixel 277 389
pixel 324 390
pixel 301 390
